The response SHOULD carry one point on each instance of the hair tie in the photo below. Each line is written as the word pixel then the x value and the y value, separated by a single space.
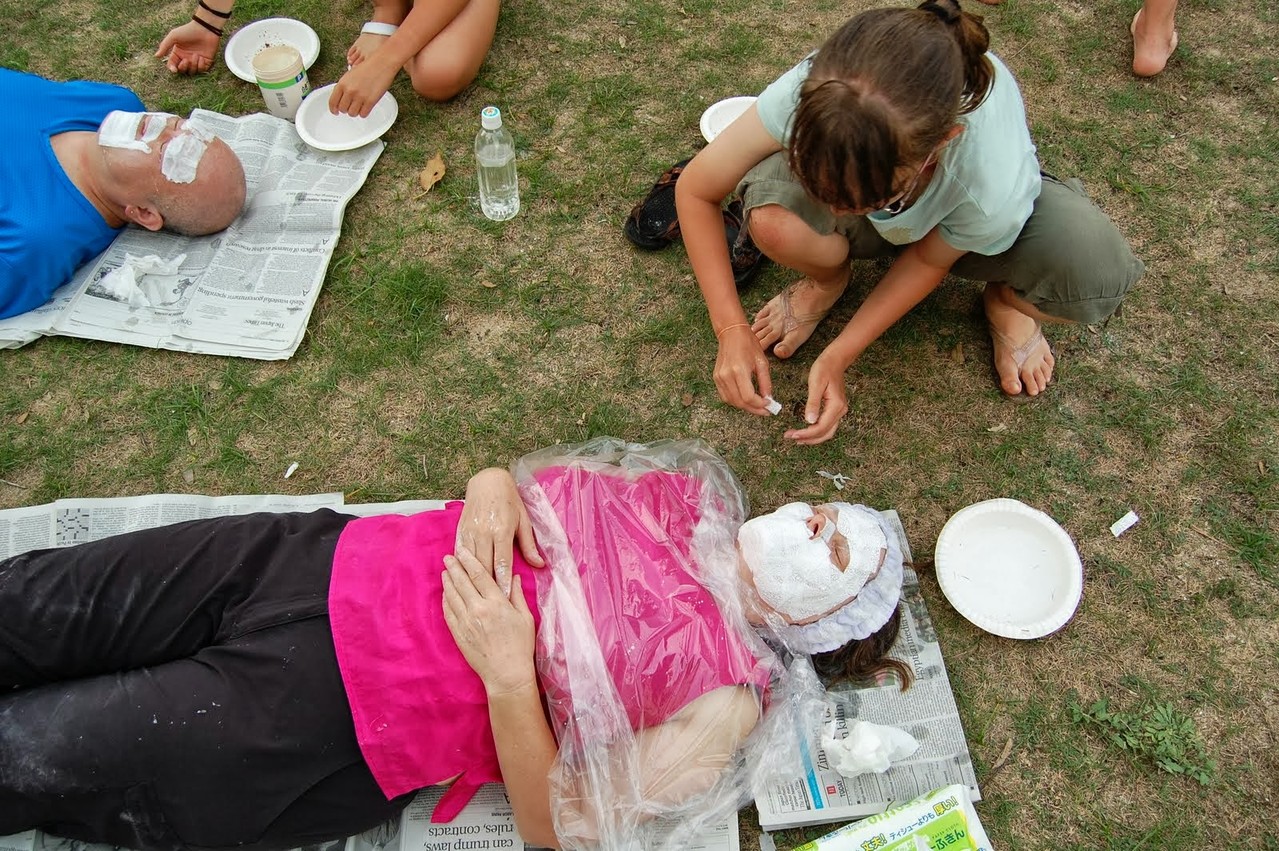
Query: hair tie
pixel 945 15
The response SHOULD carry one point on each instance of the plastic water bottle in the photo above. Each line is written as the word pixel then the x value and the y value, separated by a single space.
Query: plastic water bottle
pixel 495 167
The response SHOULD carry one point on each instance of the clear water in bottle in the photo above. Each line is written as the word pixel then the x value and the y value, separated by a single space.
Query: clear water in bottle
pixel 495 167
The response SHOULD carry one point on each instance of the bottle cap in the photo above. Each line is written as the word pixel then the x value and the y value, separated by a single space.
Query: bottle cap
pixel 490 118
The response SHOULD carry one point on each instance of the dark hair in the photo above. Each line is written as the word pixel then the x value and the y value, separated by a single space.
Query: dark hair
pixel 881 93
pixel 866 659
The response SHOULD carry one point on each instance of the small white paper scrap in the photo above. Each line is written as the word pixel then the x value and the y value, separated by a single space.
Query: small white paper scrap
pixel 774 406
pixel 293 468
pixel 1123 524
pixel 837 479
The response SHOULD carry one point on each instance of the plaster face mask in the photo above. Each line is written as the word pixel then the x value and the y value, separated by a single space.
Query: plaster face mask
pixel 183 152
pixel 132 131
pixel 794 571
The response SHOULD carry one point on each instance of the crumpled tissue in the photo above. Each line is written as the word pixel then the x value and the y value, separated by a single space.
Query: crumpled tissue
pixel 122 284
pixel 868 748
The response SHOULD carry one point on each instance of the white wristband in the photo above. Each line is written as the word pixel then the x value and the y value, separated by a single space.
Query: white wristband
pixel 379 28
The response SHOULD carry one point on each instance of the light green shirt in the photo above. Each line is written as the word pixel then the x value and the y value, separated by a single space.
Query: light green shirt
pixel 986 181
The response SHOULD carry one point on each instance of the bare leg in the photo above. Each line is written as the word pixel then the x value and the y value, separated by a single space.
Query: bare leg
pixel 786 322
pixel 1023 358
pixel 1154 36
pixel 384 12
pixel 451 60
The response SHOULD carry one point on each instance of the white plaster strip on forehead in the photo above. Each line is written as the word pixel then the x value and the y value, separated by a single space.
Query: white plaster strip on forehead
pixel 182 155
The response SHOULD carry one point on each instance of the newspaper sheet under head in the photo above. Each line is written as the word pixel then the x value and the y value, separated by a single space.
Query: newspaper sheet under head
pixel 817 794
pixel 245 292
pixel 644 602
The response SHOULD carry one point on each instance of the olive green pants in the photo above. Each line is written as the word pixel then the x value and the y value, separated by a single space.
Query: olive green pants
pixel 1070 260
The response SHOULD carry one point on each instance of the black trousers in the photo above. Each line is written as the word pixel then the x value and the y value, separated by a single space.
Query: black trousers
pixel 177 688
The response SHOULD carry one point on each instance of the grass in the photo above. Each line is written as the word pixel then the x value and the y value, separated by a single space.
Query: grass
pixel 415 372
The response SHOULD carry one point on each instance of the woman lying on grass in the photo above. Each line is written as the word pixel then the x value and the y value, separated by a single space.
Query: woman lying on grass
pixel 276 680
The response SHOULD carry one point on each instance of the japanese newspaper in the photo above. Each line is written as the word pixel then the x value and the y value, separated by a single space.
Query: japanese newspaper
pixel 245 292
pixel 927 710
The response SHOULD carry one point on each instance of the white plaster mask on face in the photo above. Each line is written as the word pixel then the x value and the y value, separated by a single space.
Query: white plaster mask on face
pixel 182 153
pixel 132 131
pixel 794 571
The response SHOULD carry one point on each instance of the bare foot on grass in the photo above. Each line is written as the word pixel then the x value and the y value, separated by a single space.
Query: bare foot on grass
pixel 365 46
pixel 1152 45
pixel 1023 358
pixel 786 322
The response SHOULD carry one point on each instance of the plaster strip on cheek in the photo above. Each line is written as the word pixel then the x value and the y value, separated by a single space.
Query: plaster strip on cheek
pixel 182 157
pixel 120 130
pixel 155 124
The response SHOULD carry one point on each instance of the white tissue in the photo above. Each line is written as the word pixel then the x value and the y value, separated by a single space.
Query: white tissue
pixel 868 748
pixel 121 283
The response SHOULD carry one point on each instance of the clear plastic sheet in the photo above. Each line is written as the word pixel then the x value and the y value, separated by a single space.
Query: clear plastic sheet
pixel 668 707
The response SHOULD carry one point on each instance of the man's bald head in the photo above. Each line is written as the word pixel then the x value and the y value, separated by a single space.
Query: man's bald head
pixel 165 172
pixel 209 203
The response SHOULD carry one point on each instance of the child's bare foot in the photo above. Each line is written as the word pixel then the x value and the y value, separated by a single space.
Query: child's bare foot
pixel 1023 358
pixel 1152 44
pixel 786 322
pixel 365 46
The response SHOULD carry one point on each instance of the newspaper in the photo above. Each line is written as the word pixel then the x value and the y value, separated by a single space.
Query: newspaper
pixel 245 292
pixel 927 710
pixel 487 822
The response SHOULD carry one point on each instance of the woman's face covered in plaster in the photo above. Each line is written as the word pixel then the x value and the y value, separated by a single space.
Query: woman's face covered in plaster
pixel 804 562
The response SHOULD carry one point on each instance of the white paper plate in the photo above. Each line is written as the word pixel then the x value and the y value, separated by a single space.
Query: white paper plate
pixel 325 131
pixel 248 40
pixel 1009 568
pixel 719 115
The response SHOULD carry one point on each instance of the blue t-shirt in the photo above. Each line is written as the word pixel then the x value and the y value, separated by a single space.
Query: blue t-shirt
pixel 48 228
pixel 987 178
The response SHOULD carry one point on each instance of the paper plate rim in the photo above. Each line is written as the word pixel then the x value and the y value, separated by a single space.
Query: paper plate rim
pixel 704 124
pixel 319 99
pixel 310 51
pixel 992 622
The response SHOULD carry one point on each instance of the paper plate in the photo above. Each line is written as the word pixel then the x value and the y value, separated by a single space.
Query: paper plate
pixel 325 131
pixel 719 115
pixel 245 43
pixel 1009 569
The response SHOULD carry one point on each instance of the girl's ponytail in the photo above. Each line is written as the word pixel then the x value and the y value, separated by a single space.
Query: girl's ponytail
pixel 973 40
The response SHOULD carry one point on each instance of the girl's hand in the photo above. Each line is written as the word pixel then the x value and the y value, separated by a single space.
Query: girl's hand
pixel 741 363
pixel 494 518
pixel 361 87
pixel 494 632
pixel 827 402
pixel 190 49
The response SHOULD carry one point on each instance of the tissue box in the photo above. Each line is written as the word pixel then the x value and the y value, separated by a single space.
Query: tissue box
pixel 942 820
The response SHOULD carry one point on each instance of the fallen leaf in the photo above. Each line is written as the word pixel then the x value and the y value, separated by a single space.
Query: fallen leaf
pixel 432 173
pixel 957 353
pixel 1000 427
pixel 686 399
pixel 488 284
pixel 1003 756
pixel 22 418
